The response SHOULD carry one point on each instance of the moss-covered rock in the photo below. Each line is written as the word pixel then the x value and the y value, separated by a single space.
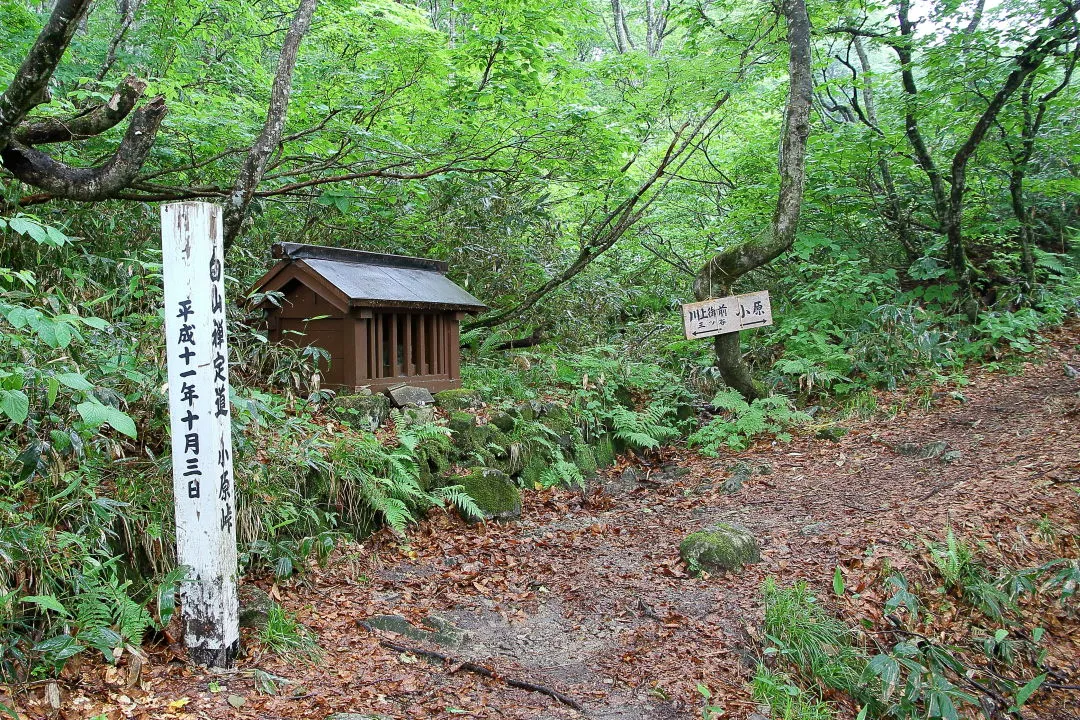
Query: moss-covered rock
pixel 418 414
pixel 363 412
pixel 255 606
pixel 557 418
pixel 459 399
pixel 496 496
pixel 529 410
pixel 495 440
pixel 722 547
pixel 461 422
pixel 477 444
pixel 585 459
pixel 604 451
pixel 432 459
pixel 504 421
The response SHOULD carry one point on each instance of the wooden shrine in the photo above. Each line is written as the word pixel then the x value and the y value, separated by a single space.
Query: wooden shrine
pixel 385 320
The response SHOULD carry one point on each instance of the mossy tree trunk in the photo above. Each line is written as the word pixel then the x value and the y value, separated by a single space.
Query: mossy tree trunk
pixel 720 274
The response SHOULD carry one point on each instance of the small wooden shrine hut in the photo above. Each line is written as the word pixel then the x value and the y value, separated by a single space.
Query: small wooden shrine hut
pixel 384 319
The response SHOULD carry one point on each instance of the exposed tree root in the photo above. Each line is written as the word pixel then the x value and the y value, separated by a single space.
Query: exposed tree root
pixel 483 671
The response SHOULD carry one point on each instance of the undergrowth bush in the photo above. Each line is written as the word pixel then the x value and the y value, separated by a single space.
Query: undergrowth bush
pixel 994 667
pixel 286 636
pixel 741 422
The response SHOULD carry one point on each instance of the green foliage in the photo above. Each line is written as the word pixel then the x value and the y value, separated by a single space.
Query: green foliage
pixel 786 700
pixel 741 422
pixel 496 136
pixel 284 635
pixel 645 429
pixel 955 561
pixel 363 480
pixel 915 674
pixel 813 639
pixel 563 472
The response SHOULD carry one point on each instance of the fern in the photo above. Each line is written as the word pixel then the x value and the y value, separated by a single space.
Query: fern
pixel 955 561
pixel 563 472
pixel 456 496
pixel 744 421
pixel 731 401
pixel 370 480
pixel 106 616
pixel 645 429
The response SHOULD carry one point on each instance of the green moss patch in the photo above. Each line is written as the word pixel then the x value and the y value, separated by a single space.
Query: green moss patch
pixel 460 399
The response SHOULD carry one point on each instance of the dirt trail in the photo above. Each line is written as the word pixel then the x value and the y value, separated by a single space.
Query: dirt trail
pixel 592 600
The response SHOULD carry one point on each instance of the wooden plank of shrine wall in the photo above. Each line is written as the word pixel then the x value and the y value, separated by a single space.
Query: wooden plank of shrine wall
pixel 421 338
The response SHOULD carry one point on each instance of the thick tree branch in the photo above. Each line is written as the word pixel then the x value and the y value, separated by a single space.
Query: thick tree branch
pixel 30 84
pixel 91 123
pixel 60 180
pixel 251 173
pixel 605 234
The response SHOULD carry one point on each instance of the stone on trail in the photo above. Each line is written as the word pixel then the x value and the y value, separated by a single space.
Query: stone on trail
pixel 740 472
pixel 442 631
pixel 363 412
pixel 405 395
pixel 816 528
pixel 722 547
pixel 925 451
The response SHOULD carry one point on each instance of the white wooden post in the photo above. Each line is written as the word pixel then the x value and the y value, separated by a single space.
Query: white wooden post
pixel 193 271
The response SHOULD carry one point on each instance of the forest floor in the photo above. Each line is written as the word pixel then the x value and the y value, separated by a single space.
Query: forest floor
pixel 592 600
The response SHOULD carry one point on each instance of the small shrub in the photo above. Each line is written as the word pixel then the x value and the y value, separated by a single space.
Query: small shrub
pixel 813 639
pixel 284 635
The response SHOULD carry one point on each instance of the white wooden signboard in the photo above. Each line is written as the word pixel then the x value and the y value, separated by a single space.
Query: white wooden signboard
pixel 727 314
pixel 193 270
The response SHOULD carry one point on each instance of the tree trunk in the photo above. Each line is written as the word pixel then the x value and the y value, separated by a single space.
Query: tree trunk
pixel 896 212
pixel 254 167
pixel 726 267
pixel 622 40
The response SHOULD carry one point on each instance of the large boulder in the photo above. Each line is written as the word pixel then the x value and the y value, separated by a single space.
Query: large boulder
pixel 363 412
pixel 722 547
pixel 493 492
pixel 459 399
